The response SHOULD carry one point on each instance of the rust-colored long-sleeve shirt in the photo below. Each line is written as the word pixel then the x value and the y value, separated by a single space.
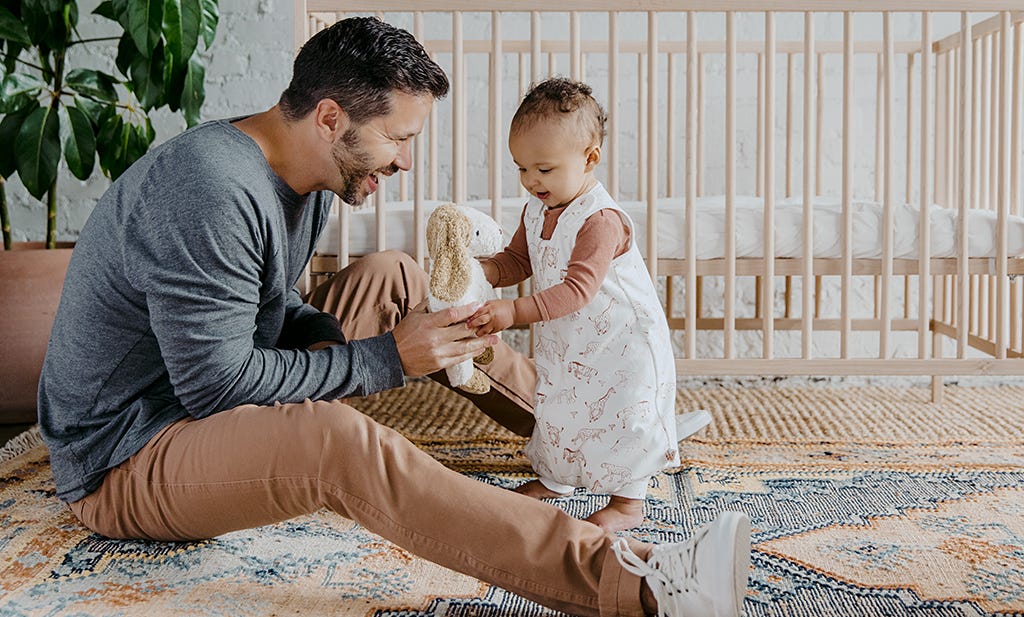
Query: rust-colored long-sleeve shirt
pixel 603 237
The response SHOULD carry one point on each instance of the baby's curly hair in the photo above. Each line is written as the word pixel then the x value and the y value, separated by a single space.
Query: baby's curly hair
pixel 560 98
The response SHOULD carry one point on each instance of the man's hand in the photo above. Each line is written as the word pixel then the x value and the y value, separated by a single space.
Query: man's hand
pixel 429 342
pixel 494 316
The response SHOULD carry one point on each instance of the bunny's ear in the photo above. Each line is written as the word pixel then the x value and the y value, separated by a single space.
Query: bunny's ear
pixel 447 238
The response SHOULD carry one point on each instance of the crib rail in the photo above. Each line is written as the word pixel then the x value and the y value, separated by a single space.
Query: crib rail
pixel 749 110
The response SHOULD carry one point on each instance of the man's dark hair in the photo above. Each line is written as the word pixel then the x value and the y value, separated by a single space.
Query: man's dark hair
pixel 358 63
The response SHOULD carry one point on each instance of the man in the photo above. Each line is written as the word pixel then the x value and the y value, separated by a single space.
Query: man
pixel 188 391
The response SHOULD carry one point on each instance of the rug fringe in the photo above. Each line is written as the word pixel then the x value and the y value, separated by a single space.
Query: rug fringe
pixel 21 444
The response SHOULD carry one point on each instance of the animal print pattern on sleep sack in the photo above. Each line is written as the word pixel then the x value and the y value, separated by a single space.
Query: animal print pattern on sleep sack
pixel 605 400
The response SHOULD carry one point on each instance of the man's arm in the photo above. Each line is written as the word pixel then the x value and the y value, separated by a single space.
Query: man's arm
pixel 305 327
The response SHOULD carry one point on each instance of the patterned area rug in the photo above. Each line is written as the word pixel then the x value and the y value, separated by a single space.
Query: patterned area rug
pixel 864 501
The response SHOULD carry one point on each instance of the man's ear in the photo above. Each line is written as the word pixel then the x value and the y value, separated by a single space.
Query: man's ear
pixel 593 157
pixel 330 120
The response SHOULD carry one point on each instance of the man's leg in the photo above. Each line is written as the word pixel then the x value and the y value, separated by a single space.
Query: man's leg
pixel 254 465
pixel 371 296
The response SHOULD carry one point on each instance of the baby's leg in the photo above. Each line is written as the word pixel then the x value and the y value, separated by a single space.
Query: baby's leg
pixel 544 489
pixel 620 514
pixel 625 509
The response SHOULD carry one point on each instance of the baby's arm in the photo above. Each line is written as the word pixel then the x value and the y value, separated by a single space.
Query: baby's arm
pixel 602 238
pixel 511 265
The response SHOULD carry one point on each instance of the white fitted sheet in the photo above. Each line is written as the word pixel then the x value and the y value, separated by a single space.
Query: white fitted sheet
pixel 749 237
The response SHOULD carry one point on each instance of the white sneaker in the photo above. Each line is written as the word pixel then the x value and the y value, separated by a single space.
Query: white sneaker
pixel 689 423
pixel 704 576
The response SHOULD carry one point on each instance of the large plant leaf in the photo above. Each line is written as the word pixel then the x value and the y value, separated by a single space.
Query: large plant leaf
pixel 79 143
pixel 9 128
pixel 110 144
pixel 193 94
pixel 49 23
pixel 93 110
pixel 174 84
pixel 182 24
pixel 147 78
pixel 105 9
pixel 37 150
pixel 10 56
pixel 94 84
pixel 126 54
pixel 145 22
pixel 139 139
pixel 211 15
pixel 12 29
pixel 18 91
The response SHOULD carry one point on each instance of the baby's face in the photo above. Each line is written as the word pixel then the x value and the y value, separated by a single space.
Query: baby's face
pixel 555 164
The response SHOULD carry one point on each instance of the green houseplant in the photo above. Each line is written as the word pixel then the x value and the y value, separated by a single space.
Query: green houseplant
pixel 49 111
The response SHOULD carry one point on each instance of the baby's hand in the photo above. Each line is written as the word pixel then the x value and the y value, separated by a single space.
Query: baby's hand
pixel 493 316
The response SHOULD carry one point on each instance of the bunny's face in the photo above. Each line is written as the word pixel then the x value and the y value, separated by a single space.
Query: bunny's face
pixel 485 235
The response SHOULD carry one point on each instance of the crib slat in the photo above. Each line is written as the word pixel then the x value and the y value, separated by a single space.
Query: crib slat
pixel 768 280
pixel 692 102
pixel 848 142
pixel 672 106
pixel 890 184
pixel 495 137
pixel 879 122
pixel 819 127
pixel 419 174
pixel 790 96
pixel 807 285
pixel 613 104
pixel 458 110
pixel 700 124
pixel 966 124
pixel 652 144
pixel 433 146
pixel 575 53
pixel 641 127
pixel 730 182
pixel 924 235
pixel 908 156
pixel 1016 128
pixel 759 180
pixel 1005 171
pixel 535 54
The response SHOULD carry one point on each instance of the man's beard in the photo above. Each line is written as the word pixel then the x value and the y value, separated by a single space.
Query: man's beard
pixel 354 165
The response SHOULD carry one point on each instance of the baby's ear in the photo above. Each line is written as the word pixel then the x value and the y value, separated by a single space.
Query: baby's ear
pixel 593 157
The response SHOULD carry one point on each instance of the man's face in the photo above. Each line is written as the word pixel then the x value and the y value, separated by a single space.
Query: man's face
pixel 379 146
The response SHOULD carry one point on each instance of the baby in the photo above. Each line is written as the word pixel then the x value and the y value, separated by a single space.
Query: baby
pixel 605 399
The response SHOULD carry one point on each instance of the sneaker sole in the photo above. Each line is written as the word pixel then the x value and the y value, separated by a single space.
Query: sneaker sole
pixel 732 528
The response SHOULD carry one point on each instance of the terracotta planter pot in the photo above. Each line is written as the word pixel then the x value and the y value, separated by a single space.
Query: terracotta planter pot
pixel 31 279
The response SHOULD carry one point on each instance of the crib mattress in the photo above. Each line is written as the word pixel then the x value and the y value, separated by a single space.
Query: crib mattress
pixel 749 238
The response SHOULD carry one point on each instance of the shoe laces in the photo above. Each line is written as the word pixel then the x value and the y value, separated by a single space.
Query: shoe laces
pixel 669 571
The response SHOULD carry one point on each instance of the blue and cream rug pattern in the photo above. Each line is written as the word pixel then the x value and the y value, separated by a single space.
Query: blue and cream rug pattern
pixel 864 501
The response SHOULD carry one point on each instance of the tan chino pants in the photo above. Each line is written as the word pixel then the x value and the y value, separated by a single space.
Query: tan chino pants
pixel 256 465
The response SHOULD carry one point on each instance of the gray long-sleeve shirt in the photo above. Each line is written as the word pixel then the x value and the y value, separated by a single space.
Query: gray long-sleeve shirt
pixel 179 300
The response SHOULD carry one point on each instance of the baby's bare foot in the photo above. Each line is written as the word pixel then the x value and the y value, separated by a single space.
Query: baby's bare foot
pixel 620 514
pixel 535 489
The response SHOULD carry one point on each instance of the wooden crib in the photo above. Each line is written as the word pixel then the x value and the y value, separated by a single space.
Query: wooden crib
pixel 780 106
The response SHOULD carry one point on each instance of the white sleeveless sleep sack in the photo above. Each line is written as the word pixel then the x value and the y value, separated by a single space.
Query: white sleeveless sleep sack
pixel 605 400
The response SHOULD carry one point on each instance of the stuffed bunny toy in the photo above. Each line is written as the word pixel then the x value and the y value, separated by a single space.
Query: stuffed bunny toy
pixel 456 237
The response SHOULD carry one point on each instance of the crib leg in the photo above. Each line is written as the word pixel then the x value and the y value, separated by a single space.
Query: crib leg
pixel 937 389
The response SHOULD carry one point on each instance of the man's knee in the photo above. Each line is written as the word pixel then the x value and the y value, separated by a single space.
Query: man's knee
pixel 395 262
pixel 341 431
